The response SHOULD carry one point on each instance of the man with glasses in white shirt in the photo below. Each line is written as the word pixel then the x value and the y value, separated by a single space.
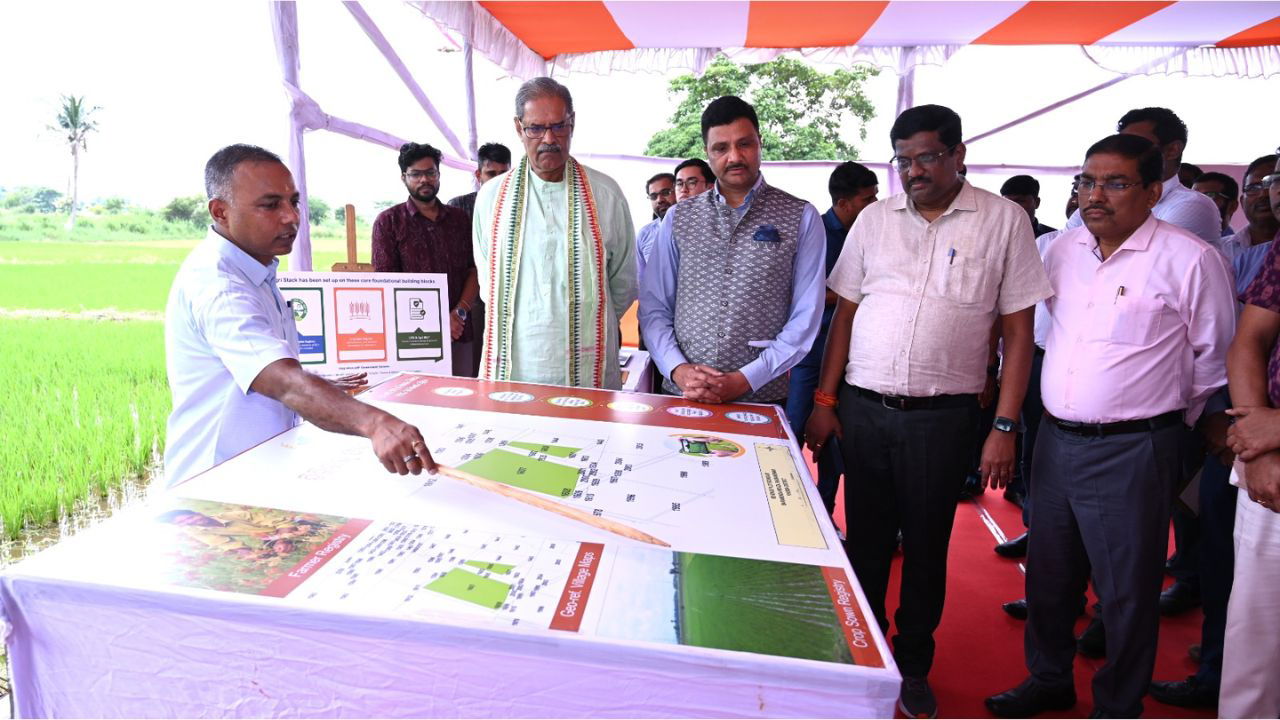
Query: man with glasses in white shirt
pixel 693 177
pixel 922 278
pixel 555 251
pixel 661 192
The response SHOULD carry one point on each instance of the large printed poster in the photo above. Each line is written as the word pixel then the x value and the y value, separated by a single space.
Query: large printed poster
pixel 612 590
pixel 376 323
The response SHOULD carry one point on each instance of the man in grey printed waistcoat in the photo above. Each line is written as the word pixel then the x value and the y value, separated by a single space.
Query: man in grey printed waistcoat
pixel 732 296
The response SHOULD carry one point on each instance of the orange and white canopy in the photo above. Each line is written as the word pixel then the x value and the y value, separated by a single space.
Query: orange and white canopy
pixel 528 37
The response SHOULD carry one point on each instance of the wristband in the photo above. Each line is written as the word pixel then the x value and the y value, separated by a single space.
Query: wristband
pixel 824 399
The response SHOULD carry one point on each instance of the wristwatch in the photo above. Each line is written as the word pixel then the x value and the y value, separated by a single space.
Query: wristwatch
pixel 461 312
pixel 1004 424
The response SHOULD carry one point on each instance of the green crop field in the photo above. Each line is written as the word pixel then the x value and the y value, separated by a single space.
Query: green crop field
pixel 86 400
pixel 84 407
pixel 758 606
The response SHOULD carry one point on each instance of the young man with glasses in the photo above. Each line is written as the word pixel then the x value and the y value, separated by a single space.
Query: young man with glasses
pixel 661 191
pixel 1140 320
pixel 424 235
pixel 922 279
pixel 556 250
pixel 693 177
pixel 1222 190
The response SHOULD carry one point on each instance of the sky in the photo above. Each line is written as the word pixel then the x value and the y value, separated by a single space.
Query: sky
pixel 176 81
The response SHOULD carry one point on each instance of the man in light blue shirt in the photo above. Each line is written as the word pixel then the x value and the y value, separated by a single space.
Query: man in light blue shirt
pixel 231 346
pixel 733 293
pixel 661 191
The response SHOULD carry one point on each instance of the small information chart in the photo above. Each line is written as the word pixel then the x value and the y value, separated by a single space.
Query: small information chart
pixel 374 323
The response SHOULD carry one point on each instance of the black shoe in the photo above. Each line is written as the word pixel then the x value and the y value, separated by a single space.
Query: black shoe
pixel 1016 609
pixel 973 485
pixel 1193 652
pixel 1189 693
pixel 1015 497
pixel 1015 548
pixel 1177 599
pixel 1030 699
pixel 1092 643
pixel 916 699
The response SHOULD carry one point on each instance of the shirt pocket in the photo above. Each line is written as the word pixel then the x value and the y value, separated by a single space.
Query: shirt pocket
pixel 961 280
pixel 1135 320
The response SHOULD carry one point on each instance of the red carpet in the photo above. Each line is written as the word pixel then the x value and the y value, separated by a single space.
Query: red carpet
pixel 980 648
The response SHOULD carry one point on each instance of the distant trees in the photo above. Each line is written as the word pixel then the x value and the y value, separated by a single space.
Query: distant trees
pixel 75 124
pixel 192 209
pixel 318 209
pixel 802 111
pixel 31 199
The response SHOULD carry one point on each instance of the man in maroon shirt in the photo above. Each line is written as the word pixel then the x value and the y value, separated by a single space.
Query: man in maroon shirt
pixel 424 235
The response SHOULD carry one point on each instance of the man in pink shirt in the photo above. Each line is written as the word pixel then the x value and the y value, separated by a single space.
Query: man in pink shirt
pixel 1140 321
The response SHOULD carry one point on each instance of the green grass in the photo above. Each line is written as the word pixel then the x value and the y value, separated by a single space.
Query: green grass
pixel 84 406
pixel 758 606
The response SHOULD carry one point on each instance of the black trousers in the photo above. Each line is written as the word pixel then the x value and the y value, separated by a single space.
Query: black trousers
pixel 1032 414
pixel 1100 502
pixel 903 471
pixel 1217 564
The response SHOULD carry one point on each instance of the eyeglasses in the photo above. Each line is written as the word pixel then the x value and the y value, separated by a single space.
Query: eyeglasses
pixel 560 129
pixel 1269 181
pixel 1216 194
pixel 925 159
pixel 419 174
pixel 692 182
pixel 663 193
pixel 1109 187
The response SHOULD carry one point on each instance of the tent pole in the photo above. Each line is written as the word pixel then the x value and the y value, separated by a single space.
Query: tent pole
pixel 284 27
pixel 471 103
pixel 906 100
pixel 1082 94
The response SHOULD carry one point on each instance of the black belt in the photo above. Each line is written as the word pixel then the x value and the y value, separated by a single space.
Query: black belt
pixel 899 402
pixel 1158 422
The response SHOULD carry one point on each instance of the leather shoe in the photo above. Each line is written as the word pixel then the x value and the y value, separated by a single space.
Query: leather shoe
pixel 1016 609
pixel 1177 599
pixel 1015 548
pixel 1030 699
pixel 1015 497
pixel 1189 693
pixel 1092 643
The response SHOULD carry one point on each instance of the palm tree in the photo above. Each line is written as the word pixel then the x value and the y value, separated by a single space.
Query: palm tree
pixel 74 120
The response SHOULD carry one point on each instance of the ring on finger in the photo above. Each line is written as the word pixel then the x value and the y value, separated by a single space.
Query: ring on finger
pixel 410 458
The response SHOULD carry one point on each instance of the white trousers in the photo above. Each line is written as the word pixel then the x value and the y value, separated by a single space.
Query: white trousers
pixel 1251 658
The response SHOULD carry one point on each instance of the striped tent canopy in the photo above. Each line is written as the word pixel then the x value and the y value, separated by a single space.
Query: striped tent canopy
pixel 533 37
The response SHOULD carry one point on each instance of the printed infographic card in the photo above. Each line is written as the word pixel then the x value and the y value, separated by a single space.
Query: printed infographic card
pixel 376 323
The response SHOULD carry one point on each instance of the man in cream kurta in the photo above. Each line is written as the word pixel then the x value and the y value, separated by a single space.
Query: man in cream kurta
pixel 534 345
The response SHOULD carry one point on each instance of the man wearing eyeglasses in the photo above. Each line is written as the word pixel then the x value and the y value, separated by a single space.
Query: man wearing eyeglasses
pixel 1140 320
pixel 661 191
pixel 923 277
pixel 1222 190
pixel 556 250
pixel 693 177
pixel 424 235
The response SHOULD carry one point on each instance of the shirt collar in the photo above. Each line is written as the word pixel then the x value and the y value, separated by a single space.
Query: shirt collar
pixel 1139 240
pixel 751 195
pixel 831 220
pixel 256 272
pixel 966 200
pixel 1171 187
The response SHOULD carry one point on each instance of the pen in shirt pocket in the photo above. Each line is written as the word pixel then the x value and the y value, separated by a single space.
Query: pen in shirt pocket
pixel 951 256
pixel 1119 294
